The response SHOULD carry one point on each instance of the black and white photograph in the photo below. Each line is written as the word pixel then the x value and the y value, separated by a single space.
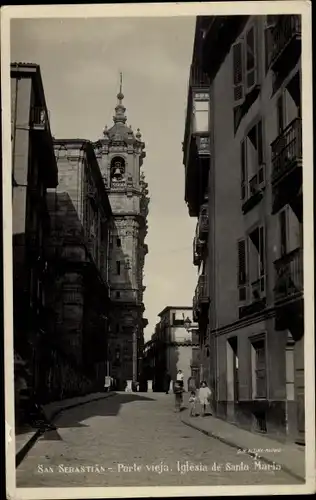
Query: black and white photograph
pixel 158 249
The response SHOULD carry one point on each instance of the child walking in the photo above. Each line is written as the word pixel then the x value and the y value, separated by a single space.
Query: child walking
pixel 204 397
pixel 192 402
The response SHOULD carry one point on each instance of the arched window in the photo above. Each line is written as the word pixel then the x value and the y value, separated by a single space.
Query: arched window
pixel 117 168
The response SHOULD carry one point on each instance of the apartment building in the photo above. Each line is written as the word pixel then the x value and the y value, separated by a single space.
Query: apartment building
pixel 34 171
pixel 243 183
pixel 173 346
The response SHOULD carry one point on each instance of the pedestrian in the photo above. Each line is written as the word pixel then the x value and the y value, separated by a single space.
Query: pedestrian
pixel 178 390
pixel 192 403
pixel 180 377
pixel 204 397
pixel 167 382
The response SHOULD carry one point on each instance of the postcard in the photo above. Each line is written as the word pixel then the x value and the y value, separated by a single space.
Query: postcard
pixel 158 249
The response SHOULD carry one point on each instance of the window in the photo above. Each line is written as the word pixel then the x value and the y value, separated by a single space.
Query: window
pixel 257 262
pixel 251 266
pixel 118 242
pixel 252 162
pixel 118 295
pixel 118 267
pixel 201 112
pixel 244 54
pixel 177 321
pixel 259 373
pixel 250 58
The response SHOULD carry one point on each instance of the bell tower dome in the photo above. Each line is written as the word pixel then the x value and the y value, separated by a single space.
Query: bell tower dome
pixel 120 153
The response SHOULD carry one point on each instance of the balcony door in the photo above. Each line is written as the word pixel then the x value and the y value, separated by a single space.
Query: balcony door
pixel 256 246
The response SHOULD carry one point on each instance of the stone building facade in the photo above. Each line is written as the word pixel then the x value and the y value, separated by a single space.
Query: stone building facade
pixel 120 154
pixel 34 171
pixel 172 347
pixel 78 298
pixel 243 170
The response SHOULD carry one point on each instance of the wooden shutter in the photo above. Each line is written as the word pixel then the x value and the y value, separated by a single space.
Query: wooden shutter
pixel 238 72
pixel 251 58
pixel 243 169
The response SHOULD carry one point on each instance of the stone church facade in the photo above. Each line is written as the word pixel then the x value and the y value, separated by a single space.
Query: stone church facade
pixel 120 154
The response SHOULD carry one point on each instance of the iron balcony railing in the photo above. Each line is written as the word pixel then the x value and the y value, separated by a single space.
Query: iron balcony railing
pixel 195 312
pixel 203 223
pixel 289 274
pixel 285 29
pixel 287 148
pixel 202 289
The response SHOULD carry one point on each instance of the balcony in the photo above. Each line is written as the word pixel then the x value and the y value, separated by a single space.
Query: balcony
pixel 286 42
pixel 39 119
pixel 202 293
pixel 197 251
pixel 195 311
pixel 289 275
pixel 287 165
pixel 203 223
pixel 196 143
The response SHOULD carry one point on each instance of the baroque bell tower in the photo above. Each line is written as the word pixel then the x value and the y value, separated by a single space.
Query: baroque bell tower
pixel 120 154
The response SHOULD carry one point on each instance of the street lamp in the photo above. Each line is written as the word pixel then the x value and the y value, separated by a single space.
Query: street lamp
pixel 187 324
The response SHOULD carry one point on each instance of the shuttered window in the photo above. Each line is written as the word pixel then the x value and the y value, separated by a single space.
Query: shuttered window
pixel 238 72
pixel 245 64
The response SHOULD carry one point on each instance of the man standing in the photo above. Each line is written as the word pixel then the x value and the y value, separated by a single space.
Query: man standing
pixel 180 377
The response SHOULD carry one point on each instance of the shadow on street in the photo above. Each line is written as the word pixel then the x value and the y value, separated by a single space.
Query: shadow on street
pixel 107 407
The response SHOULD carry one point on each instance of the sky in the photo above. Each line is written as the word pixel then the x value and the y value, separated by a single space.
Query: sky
pixel 80 61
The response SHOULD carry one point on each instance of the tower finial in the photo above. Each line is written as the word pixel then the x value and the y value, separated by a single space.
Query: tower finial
pixel 120 108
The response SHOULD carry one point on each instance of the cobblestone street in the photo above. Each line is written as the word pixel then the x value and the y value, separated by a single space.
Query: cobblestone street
pixel 137 440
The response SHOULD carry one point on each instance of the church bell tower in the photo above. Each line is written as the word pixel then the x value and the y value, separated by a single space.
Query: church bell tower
pixel 120 154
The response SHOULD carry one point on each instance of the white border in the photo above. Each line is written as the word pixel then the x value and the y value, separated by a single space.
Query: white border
pixel 163 10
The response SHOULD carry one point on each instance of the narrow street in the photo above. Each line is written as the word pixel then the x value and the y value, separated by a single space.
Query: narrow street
pixel 135 440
